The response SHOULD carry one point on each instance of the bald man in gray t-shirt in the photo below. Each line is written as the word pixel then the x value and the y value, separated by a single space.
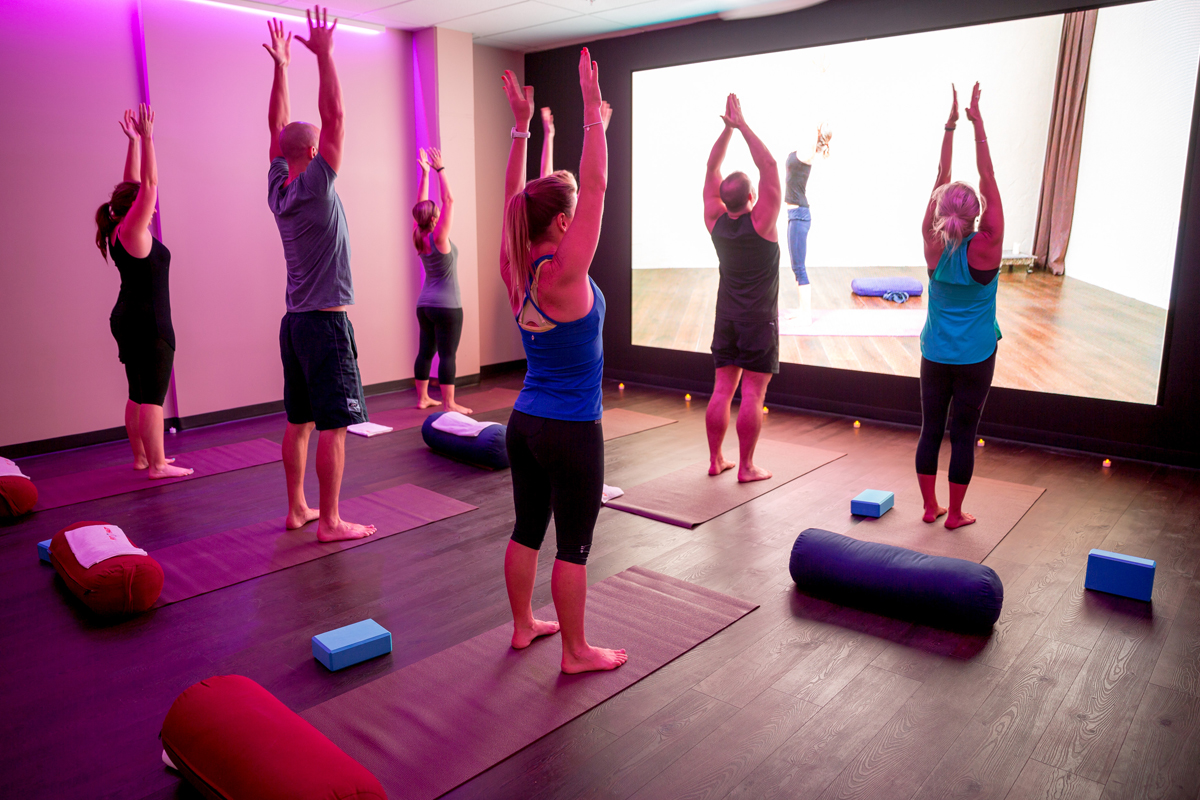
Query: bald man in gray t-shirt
pixel 321 385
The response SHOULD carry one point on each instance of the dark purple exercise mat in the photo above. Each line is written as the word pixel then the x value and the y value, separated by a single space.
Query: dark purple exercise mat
pixel 432 725
pixel 80 487
pixel 223 559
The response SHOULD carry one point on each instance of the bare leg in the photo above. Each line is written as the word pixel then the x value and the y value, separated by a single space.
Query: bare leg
pixel 716 417
pixel 295 456
pixel 568 585
pixel 133 427
pixel 331 458
pixel 805 314
pixel 957 517
pixel 928 484
pixel 448 399
pixel 151 420
pixel 520 573
pixel 423 398
pixel 749 424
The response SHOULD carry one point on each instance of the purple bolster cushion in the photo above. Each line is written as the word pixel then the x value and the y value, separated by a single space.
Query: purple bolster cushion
pixel 878 287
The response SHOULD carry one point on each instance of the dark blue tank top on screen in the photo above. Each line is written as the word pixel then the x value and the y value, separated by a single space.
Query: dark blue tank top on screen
pixel 564 365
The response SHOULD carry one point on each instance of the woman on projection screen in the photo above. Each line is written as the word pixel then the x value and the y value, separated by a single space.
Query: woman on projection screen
pixel 799 218
pixel 958 343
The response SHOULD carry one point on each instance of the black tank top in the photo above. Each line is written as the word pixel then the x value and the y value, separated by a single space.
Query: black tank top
pixel 143 309
pixel 749 288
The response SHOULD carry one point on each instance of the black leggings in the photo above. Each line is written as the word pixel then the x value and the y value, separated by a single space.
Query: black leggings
pixel 148 370
pixel 967 386
pixel 556 466
pixel 441 328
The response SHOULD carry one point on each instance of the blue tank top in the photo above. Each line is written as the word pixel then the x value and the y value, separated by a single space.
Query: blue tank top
pixel 960 327
pixel 564 365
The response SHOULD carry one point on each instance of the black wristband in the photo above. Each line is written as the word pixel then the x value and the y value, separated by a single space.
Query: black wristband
pixel 951 127
pixel 438 169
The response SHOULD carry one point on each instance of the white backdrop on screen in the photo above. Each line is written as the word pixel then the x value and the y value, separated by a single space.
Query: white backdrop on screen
pixel 886 100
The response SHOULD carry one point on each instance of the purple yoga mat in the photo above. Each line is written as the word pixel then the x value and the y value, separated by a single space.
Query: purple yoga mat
pixel 80 487
pixel 690 496
pixel 432 725
pixel 401 418
pixel 223 559
pixel 620 422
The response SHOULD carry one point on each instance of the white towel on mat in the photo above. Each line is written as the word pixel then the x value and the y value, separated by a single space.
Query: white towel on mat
pixel 368 429
pixel 460 424
pixel 10 469
pixel 610 493
pixel 92 544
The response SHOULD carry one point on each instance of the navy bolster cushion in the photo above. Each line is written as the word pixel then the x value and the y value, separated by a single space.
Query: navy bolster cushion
pixel 878 287
pixel 233 739
pixel 949 593
pixel 487 450
pixel 18 495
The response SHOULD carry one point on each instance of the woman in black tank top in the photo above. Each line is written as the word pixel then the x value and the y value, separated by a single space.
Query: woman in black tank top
pixel 141 319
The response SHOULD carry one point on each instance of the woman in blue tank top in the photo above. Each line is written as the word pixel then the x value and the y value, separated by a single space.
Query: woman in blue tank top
pixel 958 343
pixel 555 442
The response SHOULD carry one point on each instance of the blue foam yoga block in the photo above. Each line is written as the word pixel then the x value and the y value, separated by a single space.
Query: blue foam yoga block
pixel 44 551
pixel 344 647
pixel 1115 573
pixel 872 503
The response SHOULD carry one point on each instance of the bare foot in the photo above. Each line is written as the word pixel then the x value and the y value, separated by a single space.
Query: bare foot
pixel 932 514
pixel 144 463
pixel 427 402
pixel 458 408
pixel 167 471
pixel 522 637
pixel 958 520
pixel 752 473
pixel 596 659
pixel 298 519
pixel 342 531
pixel 718 465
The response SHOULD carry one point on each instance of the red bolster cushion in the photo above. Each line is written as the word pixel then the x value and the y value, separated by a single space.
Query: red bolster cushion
pixel 233 739
pixel 17 495
pixel 117 585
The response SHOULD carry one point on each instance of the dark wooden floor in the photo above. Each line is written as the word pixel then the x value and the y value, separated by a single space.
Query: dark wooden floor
pixel 1061 335
pixel 1075 695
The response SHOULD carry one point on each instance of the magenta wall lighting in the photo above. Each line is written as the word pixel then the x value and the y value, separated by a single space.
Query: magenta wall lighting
pixel 265 10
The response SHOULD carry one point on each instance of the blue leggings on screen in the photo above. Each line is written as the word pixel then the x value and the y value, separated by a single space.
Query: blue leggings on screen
pixel 799 221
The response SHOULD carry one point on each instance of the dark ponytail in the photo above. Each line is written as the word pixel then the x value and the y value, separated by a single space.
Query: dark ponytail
pixel 109 215
pixel 425 215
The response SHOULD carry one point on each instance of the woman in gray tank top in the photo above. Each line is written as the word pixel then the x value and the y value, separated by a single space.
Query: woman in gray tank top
pixel 439 306
pixel 799 218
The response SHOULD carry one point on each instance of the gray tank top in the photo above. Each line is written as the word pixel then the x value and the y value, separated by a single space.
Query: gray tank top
pixel 797 180
pixel 441 278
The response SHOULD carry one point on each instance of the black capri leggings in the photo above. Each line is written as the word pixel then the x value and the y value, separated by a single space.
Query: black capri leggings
pixel 965 386
pixel 148 370
pixel 556 466
pixel 441 329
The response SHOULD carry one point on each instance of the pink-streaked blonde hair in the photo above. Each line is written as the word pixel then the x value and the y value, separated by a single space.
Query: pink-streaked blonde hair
pixel 527 217
pixel 956 207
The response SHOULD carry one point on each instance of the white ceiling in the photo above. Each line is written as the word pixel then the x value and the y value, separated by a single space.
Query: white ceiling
pixel 541 24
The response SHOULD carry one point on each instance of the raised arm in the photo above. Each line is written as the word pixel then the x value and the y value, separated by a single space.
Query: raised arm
pixel 441 231
pixel 279 110
pixel 986 249
pixel 933 244
pixel 133 155
pixel 578 246
pixel 134 229
pixel 714 206
pixel 329 91
pixel 547 142
pixel 520 99
pixel 423 182
pixel 765 213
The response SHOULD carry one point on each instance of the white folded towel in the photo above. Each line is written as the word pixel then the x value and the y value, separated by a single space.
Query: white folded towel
pixel 610 493
pixel 10 468
pixel 92 544
pixel 460 424
pixel 368 429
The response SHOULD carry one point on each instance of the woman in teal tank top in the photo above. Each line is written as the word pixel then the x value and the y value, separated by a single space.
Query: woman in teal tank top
pixel 958 343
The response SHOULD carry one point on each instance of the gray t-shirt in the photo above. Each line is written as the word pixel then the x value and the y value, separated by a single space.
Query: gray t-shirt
pixel 316 241
pixel 797 181
pixel 441 278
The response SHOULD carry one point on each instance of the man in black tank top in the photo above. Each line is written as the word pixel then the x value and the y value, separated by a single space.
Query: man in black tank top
pixel 745 342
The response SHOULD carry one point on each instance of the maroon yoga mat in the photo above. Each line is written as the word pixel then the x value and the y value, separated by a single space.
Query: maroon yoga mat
pixel 223 559
pixel 690 496
pixel 428 727
pixel 620 422
pixel 80 487
pixel 401 418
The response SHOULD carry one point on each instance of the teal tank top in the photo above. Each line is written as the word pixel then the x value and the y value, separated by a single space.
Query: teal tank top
pixel 960 326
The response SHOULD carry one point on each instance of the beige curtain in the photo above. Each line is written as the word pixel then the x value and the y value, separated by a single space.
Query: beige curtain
pixel 1061 170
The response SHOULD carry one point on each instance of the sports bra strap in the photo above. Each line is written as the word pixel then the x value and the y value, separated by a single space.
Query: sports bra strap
pixel 529 288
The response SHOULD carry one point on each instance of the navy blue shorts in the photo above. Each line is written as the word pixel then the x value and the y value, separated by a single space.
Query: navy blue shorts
pixel 321 383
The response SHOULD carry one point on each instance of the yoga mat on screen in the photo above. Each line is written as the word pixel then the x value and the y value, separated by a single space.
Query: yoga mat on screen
pixel 857 322
pixel 432 725
pixel 690 496
pixel 80 487
pixel 223 559
pixel 997 505
pixel 618 422
pixel 401 418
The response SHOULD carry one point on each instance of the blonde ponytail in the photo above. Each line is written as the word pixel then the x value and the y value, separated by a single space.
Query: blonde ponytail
pixel 517 246
pixel 956 207
pixel 527 216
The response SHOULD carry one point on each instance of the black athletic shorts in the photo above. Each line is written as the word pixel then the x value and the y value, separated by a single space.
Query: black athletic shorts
pixel 753 346
pixel 321 383
pixel 148 370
